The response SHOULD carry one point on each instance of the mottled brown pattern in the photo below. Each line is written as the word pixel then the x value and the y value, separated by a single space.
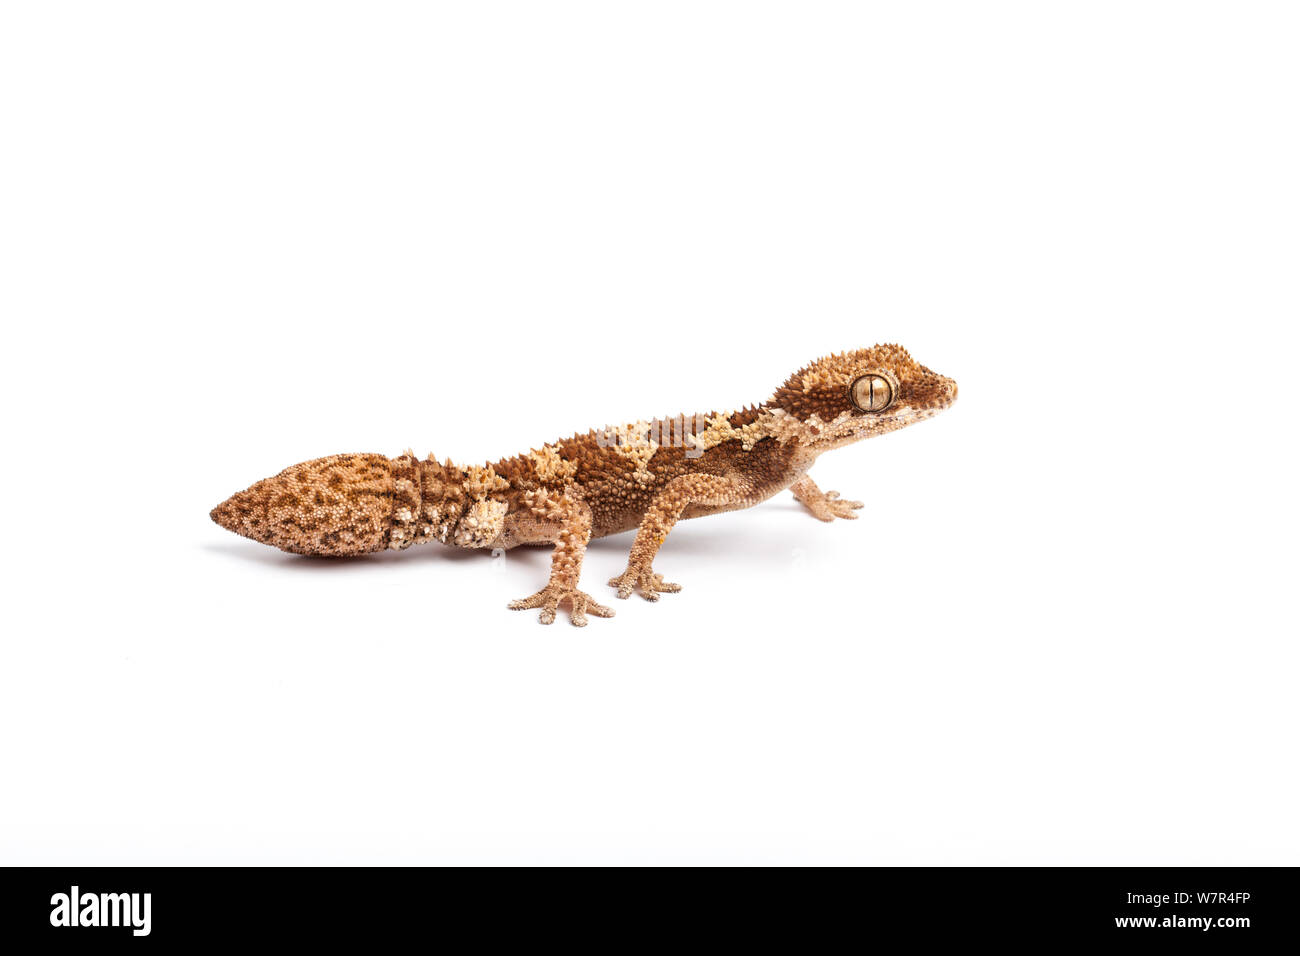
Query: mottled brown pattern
pixel 644 475
pixel 337 505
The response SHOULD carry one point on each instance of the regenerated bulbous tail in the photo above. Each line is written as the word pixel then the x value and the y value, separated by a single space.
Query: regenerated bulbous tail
pixel 348 504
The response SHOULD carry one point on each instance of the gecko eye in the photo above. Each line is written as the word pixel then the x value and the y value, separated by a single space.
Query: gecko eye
pixel 871 393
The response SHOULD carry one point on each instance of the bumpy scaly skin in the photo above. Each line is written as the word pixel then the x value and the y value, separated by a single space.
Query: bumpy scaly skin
pixel 593 485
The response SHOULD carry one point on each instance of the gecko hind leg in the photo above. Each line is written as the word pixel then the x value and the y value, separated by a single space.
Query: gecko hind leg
pixel 571 519
pixel 823 505
pixel 677 495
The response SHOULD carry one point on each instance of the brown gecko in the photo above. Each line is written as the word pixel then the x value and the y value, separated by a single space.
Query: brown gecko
pixel 647 476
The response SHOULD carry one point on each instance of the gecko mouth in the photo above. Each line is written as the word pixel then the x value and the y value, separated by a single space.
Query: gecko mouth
pixel 878 424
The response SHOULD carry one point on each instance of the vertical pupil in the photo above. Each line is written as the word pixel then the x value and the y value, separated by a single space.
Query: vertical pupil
pixel 872 393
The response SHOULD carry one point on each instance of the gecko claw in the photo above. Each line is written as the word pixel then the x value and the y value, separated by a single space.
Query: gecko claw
pixel 549 599
pixel 647 583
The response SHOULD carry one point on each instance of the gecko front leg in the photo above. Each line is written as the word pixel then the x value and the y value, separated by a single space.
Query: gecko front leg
pixel 678 494
pixel 565 521
pixel 824 505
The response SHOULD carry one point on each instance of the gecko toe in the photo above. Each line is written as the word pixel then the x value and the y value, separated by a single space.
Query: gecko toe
pixel 551 597
pixel 646 583
pixel 581 604
pixel 845 508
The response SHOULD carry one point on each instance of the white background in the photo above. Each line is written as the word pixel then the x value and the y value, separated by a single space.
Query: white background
pixel 240 235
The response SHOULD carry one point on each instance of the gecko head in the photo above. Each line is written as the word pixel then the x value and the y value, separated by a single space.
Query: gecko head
pixel 849 396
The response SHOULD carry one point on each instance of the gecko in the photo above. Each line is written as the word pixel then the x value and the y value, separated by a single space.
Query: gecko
pixel 646 475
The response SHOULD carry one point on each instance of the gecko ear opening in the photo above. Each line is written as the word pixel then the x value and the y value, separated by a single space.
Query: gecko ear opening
pixel 871 393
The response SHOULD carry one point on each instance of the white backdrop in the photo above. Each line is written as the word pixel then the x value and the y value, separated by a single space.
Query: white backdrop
pixel 240 235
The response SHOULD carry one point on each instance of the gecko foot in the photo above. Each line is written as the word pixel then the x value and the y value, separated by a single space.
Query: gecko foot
pixel 549 598
pixel 646 582
pixel 830 506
